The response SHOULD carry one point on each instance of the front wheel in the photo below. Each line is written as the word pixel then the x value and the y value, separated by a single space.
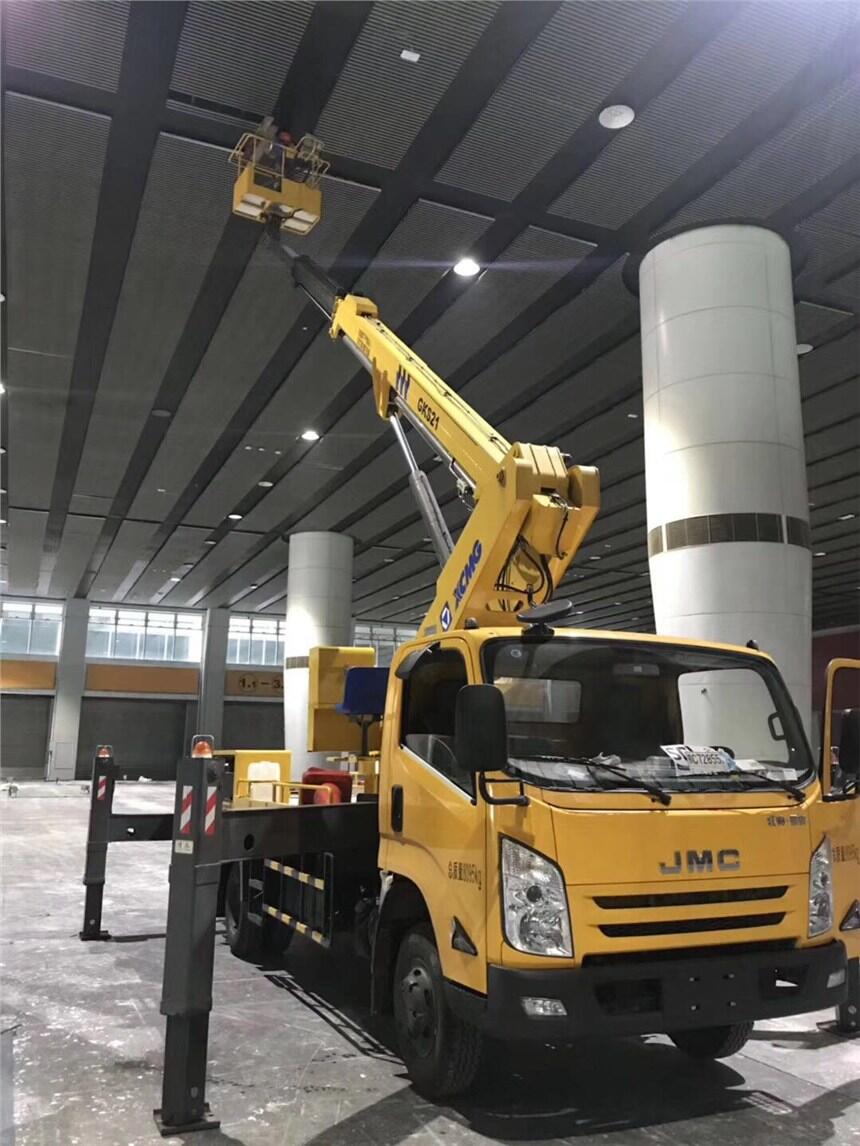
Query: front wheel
pixel 713 1042
pixel 440 1050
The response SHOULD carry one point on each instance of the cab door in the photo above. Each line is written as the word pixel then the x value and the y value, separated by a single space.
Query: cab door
pixel 839 815
pixel 432 829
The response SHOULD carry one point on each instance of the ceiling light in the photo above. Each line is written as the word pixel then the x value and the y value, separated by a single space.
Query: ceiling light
pixel 175 578
pixel 310 436
pixel 606 545
pixel 159 413
pixel 2 520
pixel 633 416
pixel 410 56
pixel 249 447
pixel 265 484
pixel 234 516
pixel 250 587
pixel 841 517
pixel 466 268
pixel 161 490
pixel 820 553
pixel 616 116
pixel 595 557
pixel 804 348
pixel 209 542
pixel 387 560
pixel 2 388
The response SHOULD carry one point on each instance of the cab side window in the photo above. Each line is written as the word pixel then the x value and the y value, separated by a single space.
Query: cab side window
pixel 429 704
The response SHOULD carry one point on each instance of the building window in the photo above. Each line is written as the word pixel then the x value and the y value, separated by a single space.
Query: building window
pixel 384 638
pixel 144 635
pixel 255 640
pixel 30 628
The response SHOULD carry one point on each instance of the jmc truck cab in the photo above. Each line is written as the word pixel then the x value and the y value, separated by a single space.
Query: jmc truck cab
pixel 587 832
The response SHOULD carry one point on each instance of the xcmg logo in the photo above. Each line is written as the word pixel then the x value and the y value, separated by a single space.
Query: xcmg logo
pixel 402 383
pixel 468 572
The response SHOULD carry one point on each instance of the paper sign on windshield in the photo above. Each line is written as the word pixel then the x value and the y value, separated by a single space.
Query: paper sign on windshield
pixel 697 758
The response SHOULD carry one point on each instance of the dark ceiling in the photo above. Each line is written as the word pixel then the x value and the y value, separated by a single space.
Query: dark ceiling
pixel 159 365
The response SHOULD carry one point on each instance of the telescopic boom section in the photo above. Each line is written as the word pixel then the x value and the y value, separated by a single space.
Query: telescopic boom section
pixel 529 510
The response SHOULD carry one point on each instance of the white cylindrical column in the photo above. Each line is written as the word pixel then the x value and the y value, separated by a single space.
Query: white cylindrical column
pixel 728 517
pixel 319 612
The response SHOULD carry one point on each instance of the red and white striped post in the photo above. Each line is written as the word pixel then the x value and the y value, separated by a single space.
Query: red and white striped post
pixel 98 834
pixel 190 948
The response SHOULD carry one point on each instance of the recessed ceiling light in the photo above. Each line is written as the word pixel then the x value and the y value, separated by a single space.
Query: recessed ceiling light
pixel 804 348
pixel 595 557
pixel 253 587
pixel 606 545
pixel 249 447
pixel 265 484
pixel 841 517
pixel 161 489
pixel 632 416
pixel 616 602
pixel 466 268
pixel 616 116
pixel 2 520
pixel 175 578
pixel 387 560
pixel 234 516
pixel 2 388
pixel 410 56
pixel 159 413
pixel 209 542
pixel 310 436
pixel 820 553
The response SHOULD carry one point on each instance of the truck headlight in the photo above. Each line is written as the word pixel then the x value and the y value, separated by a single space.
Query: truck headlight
pixel 534 902
pixel 820 890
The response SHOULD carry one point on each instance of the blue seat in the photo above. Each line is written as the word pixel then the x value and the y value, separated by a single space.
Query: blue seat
pixel 364 693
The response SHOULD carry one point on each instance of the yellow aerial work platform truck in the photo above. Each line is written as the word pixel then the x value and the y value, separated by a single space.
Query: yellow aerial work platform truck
pixel 573 832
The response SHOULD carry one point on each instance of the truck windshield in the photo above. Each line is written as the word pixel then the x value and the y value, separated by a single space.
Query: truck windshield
pixel 675 718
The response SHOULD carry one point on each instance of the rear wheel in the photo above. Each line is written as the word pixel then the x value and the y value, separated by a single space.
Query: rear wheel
pixel 441 1051
pixel 713 1042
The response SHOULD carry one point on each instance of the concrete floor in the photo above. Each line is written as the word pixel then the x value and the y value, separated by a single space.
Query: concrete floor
pixel 292 1056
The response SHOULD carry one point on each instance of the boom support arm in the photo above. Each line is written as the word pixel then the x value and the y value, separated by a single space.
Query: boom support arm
pixel 530 510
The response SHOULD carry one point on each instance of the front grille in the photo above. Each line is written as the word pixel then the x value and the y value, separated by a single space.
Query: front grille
pixel 685 926
pixel 676 954
pixel 689 898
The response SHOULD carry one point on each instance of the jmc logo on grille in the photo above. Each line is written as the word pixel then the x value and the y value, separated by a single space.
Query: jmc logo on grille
pixel 727 859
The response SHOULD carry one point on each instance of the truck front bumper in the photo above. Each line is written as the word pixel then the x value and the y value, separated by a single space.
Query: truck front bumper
pixel 642 996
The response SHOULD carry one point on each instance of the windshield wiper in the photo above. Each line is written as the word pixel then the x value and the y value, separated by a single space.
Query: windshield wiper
pixel 758 778
pixel 655 790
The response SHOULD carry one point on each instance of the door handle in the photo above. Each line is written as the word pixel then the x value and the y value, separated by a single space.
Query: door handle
pixel 397 808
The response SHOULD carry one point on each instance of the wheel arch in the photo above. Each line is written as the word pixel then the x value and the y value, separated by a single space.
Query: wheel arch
pixel 401 906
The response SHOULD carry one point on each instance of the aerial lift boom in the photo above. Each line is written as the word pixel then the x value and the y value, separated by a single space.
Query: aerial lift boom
pixel 530 509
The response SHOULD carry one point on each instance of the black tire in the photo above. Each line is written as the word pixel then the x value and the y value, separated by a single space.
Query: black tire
pixel 441 1051
pixel 712 1042
pixel 245 939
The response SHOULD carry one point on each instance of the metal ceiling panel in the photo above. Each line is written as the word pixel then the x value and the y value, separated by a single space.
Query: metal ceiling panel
pixel 243 469
pixel 82 42
pixel 813 320
pixel 187 200
pixel 829 364
pixel 836 404
pixel 131 539
pixel 238 54
pixel 563 78
pixel 381 101
pixel 37 386
pixel 416 256
pixel 259 316
pixel 79 537
pixel 50 221
pixel 816 142
pixel 23 539
pixel 742 67
pixel 847 286
pixel 605 304
pixel 533 263
pixel 832 234
pixel 227 552
pixel 272 561
pixel 182 548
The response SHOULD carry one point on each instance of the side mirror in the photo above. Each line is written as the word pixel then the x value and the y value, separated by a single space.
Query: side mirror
pixel 849 743
pixel 481 729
